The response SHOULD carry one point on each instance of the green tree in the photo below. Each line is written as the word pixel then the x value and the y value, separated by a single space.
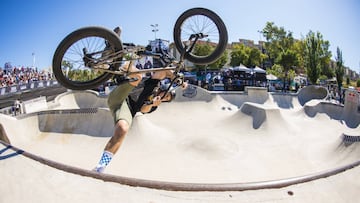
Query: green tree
pixel 312 56
pixel 325 59
pixel 255 57
pixel 281 49
pixel 202 50
pixel 245 55
pixel 274 36
pixel 317 56
pixel 220 62
pixel 238 55
pixel 287 59
pixel 205 49
pixel 276 70
pixel 77 74
pixel 339 70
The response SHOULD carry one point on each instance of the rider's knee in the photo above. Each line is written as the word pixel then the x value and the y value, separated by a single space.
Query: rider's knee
pixel 122 127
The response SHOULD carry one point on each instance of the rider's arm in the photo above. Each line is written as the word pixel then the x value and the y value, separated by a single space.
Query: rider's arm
pixel 149 86
pixel 146 108
pixel 160 75
pixel 149 107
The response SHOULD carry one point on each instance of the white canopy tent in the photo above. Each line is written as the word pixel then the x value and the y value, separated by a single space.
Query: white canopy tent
pixel 258 70
pixel 271 77
pixel 241 67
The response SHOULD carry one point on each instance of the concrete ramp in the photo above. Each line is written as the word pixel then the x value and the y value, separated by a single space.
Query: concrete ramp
pixel 79 121
pixel 285 101
pixel 334 111
pixel 200 142
pixel 349 113
pixel 70 137
pixel 192 93
pixel 312 92
pixel 80 99
pixel 257 94
pixel 261 113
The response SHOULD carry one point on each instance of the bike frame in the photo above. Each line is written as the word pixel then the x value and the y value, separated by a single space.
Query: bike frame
pixel 178 65
pixel 130 48
pixel 133 50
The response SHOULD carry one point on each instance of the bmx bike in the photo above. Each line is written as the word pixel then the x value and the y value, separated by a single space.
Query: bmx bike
pixel 89 56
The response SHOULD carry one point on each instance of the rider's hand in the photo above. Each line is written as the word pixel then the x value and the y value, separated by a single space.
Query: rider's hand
pixel 170 74
pixel 156 101
pixel 184 85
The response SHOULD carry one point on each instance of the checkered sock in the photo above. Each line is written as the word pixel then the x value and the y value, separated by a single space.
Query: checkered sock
pixel 104 161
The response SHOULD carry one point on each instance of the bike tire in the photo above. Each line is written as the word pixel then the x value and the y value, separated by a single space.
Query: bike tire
pixel 180 34
pixel 69 43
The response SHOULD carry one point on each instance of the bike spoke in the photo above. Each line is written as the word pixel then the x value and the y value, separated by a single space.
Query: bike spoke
pixel 73 63
pixel 200 24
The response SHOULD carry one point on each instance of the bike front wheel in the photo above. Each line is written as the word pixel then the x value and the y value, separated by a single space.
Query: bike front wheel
pixel 80 57
pixel 209 24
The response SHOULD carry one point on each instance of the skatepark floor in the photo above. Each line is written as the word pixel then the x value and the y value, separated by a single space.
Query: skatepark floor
pixel 202 147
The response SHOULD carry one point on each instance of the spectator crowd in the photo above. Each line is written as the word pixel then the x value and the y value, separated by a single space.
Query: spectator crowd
pixel 226 79
pixel 12 75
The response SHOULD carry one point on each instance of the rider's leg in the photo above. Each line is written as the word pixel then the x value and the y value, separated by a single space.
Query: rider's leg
pixel 120 131
pixel 122 118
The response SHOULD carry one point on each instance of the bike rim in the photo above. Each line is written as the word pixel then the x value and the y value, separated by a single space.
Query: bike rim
pixel 201 24
pixel 73 66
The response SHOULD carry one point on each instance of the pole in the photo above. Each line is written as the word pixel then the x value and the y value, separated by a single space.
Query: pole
pixel 155 28
pixel 33 55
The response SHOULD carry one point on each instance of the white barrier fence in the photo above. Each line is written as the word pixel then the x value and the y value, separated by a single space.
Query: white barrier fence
pixel 34 105
pixel 27 86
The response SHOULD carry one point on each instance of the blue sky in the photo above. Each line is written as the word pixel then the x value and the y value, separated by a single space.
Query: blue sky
pixel 37 26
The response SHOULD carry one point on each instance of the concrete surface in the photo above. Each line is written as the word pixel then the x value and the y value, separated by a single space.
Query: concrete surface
pixel 203 147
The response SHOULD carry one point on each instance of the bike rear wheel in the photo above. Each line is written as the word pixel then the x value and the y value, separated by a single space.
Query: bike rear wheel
pixel 204 21
pixel 82 50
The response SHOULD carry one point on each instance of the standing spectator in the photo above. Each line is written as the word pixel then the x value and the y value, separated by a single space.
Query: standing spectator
pixel 16 108
pixel 139 65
